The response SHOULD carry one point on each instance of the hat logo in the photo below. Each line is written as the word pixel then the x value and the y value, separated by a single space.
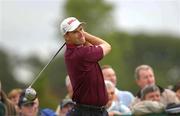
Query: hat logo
pixel 72 20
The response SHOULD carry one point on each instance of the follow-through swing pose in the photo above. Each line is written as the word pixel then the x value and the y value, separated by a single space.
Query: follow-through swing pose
pixel 83 51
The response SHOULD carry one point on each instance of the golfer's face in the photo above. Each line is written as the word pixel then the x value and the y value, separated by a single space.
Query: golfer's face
pixel 77 36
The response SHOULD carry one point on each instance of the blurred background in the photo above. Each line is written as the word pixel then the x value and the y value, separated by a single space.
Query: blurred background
pixel 140 32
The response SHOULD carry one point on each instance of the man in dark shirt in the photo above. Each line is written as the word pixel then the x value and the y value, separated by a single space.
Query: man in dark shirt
pixel 83 51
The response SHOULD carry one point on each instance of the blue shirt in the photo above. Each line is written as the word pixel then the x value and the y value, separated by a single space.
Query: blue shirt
pixel 119 107
pixel 125 97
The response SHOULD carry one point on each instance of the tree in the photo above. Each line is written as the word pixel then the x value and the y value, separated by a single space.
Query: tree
pixel 159 51
pixel 6 73
pixel 97 14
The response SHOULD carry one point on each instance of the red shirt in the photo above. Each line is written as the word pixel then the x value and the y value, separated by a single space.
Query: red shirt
pixel 86 75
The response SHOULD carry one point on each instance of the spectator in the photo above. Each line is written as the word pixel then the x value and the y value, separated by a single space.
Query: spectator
pixel 7 104
pixel 144 75
pixel 28 107
pixel 114 107
pixel 66 105
pixel 151 92
pixel 176 89
pixel 125 97
pixel 83 52
pixel 31 107
pixel 14 97
pixel 2 109
pixel 69 94
pixel 150 101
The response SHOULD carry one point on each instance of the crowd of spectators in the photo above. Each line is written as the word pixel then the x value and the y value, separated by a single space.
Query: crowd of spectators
pixel 151 97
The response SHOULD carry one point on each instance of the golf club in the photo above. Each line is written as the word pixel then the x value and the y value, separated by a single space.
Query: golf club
pixel 46 66
pixel 30 93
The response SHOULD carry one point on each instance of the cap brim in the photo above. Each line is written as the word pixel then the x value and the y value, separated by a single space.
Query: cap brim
pixel 76 26
pixel 25 103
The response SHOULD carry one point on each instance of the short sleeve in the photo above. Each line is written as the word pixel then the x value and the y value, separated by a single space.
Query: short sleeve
pixel 92 53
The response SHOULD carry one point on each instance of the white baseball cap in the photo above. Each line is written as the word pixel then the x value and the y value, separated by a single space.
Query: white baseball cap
pixel 69 24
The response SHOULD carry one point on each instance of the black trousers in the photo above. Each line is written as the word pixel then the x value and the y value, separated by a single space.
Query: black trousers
pixel 86 110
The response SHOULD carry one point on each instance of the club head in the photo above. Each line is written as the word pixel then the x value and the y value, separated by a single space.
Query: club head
pixel 30 94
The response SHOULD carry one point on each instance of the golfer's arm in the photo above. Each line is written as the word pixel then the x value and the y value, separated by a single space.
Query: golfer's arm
pixel 98 41
pixel 87 43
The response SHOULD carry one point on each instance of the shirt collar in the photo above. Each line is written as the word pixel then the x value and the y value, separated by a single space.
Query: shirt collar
pixel 73 45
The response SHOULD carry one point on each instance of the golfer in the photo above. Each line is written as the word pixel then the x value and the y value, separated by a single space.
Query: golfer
pixel 83 51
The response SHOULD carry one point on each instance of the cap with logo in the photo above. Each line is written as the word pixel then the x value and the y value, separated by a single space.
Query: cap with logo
pixel 69 24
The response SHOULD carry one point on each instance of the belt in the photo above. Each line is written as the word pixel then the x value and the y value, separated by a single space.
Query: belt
pixel 90 107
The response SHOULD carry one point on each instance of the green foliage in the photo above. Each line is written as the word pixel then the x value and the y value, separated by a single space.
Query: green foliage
pixel 129 51
pixel 6 73
pixel 161 52
pixel 45 94
pixel 96 13
pixel 119 57
pixel 50 85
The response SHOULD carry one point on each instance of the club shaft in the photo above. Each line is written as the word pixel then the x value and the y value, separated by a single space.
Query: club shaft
pixel 46 66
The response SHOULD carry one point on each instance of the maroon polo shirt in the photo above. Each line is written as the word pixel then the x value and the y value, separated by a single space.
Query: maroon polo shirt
pixel 85 74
